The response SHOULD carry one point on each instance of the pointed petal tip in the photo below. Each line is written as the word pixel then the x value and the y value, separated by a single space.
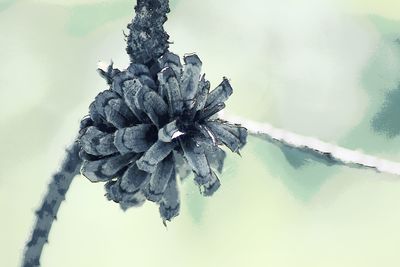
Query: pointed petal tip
pixel 134 179
pixel 169 57
pixel 192 58
pixel 145 165
pixel 104 66
pixel 166 73
pixel 167 213
pixel 211 189
pixel 138 69
pixel 152 196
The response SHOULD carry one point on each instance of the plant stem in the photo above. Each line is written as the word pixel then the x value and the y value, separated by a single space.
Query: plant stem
pixel 333 153
pixel 61 180
pixel 47 212
pixel 147 39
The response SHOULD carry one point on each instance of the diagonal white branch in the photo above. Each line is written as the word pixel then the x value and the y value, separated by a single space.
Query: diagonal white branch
pixel 339 154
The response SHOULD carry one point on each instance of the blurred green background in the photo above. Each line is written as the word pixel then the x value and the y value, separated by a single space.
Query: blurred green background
pixel 328 69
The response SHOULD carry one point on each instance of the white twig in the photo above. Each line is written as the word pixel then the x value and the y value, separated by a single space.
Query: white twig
pixel 337 153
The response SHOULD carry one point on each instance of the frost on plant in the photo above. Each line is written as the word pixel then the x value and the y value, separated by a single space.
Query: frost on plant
pixel 153 122
pixel 156 121
pixel 147 39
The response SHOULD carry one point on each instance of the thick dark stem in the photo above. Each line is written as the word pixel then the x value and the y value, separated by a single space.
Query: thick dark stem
pixel 47 213
pixel 147 39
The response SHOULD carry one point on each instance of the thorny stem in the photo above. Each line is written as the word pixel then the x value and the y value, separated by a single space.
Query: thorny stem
pixel 333 153
pixel 72 163
pixel 47 212
pixel 147 39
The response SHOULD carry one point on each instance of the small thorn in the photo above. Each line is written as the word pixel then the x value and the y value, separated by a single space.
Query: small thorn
pixel 102 65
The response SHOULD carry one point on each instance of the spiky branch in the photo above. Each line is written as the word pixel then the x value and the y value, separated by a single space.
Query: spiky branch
pixel 147 39
pixel 47 212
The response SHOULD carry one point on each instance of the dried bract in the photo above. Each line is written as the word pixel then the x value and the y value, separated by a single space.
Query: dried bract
pixel 152 124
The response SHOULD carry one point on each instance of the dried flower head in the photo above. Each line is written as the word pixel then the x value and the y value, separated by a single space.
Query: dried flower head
pixel 152 124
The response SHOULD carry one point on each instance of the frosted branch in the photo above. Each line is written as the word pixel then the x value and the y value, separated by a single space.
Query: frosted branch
pixel 338 154
pixel 147 39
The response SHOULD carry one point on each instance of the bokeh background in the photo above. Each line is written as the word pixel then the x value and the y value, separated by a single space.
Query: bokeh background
pixel 328 69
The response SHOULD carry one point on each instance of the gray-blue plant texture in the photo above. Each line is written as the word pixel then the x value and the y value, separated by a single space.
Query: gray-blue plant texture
pixel 152 122
pixel 157 120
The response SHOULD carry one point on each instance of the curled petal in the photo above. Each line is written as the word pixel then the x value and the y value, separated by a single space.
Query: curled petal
pixel 118 114
pixel 182 166
pixel 130 200
pixel 190 76
pixel 142 73
pixel 233 136
pixel 156 153
pixel 96 108
pixel 159 179
pixel 134 139
pixel 210 111
pixel 85 122
pixel 220 94
pixel 118 81
pixel 169 88
pixel 115 118
pixel 94 114
pixel 86 156
pixel 134 179
pixel 169 132
pixel 209 188
pixel 138 70
pixel 113 191
pixel 206 137
pixel 97 143
pixel 148 81
pixel 196 157
pixel 216 157
pixel 102 99
pixel 105 169
pixel 170 203
pixel 170 60
pixel 130 88
pixel 126 200
pixel 152 104
pixel 202 93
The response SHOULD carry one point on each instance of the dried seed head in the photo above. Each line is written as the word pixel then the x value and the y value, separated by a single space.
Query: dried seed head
pixel 153 123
